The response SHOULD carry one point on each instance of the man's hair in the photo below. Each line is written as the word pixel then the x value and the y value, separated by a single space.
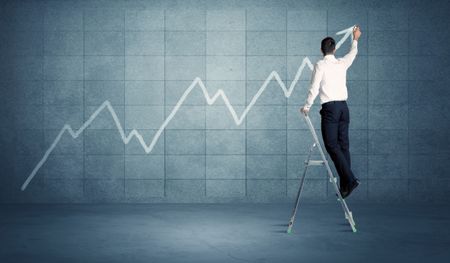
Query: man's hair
pixel 328 45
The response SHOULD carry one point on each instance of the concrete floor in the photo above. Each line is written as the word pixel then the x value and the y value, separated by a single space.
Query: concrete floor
pixel 222 233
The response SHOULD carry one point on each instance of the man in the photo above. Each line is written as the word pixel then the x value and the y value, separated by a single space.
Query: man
pixel 329 80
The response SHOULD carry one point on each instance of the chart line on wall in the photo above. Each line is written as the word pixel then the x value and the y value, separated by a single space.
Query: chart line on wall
pixel 197 82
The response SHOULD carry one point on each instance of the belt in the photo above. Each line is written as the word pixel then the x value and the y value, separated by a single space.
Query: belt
pixel 334 102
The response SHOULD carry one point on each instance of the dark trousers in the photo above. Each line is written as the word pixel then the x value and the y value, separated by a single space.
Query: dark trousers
pixel 334 124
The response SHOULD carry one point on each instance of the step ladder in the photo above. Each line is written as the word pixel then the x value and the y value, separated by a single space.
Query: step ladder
pixel 332 178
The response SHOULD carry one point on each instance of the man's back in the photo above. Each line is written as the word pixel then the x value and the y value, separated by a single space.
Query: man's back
pixel 330 76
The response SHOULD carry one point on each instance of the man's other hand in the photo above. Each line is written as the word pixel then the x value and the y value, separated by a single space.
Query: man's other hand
pixel 304 110
pixel 356 32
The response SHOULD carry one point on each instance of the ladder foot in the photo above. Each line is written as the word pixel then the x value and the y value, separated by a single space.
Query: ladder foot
pixel 289 230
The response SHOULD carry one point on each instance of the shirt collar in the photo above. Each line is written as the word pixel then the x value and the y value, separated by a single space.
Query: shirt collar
pixel 329 56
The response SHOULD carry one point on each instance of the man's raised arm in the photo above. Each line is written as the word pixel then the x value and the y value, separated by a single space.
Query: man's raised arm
pixel 350 56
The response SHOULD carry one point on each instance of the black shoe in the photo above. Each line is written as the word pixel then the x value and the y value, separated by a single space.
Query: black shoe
pixel 343 189
pixel 348 190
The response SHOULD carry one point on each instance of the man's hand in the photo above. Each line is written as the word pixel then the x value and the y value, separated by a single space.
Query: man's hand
pixel 356 32
pixel 304 110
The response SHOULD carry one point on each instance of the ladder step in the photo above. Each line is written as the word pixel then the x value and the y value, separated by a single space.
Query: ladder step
pixel 315 162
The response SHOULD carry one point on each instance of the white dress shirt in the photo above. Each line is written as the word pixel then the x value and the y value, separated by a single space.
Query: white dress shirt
pixel 329 77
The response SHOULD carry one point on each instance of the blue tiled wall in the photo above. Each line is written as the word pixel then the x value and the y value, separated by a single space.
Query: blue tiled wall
pixel 60 60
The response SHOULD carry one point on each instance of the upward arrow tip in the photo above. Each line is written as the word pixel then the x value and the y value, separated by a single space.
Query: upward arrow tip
pixel 347 30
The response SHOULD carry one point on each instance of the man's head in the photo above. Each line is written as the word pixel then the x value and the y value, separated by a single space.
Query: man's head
pixel 328 46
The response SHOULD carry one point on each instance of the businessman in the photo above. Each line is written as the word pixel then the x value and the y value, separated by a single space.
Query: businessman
pixel 329 81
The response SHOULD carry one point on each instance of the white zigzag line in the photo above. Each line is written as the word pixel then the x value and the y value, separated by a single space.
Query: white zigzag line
pixel 210 100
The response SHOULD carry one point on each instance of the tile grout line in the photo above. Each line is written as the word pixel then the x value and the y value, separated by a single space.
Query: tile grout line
pixel 125 106
pixel 245 103
pixel 84 104
pixel 408 114
pixel 367 106
pixel 286 103
pixel 165 102
pixel 43 79
pixel 205 104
